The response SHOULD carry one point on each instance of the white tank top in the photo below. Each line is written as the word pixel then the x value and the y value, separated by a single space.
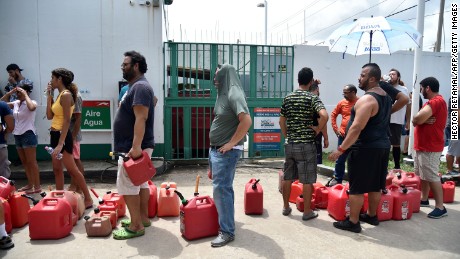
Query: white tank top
pixel 24 119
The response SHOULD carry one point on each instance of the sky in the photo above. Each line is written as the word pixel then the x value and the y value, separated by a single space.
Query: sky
pixel 242 21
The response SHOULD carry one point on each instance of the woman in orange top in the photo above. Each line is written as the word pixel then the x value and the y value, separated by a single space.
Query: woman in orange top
pixel 60 111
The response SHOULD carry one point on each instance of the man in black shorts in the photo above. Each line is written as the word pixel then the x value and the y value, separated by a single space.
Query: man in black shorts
pixel 367 138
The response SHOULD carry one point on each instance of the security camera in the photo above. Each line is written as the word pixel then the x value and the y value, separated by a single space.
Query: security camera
pixel 131 2
pixel 147 3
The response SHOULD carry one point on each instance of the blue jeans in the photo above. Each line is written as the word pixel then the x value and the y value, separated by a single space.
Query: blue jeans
pixel 339 170
pixel 223 168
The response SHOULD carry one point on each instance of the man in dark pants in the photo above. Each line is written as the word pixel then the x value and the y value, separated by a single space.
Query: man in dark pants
pixel 367 137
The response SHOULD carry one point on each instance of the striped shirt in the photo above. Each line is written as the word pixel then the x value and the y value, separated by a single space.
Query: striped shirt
pixel 299 108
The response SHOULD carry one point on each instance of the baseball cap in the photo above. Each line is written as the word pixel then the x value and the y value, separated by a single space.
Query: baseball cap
pixel 13 67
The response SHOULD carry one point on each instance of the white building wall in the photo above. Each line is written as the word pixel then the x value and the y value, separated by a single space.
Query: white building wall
pixel 335 72
pixel 89 38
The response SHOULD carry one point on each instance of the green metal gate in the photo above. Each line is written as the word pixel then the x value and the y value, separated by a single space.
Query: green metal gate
pixel 265 73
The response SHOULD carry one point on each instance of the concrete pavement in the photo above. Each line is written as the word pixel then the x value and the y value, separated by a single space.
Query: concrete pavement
pixel 270 235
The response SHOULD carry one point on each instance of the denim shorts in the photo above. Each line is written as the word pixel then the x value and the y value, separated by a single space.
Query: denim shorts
pixel 26 140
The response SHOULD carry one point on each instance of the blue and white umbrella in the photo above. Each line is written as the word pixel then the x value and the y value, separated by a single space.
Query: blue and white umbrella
pixel 373 35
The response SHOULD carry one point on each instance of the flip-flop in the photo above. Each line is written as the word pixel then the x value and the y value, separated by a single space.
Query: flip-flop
pixel 126 222
pixel 25 188
pixel 126 233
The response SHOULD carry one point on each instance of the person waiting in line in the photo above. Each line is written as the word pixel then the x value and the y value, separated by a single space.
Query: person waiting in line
pixel 15 78
pixel 398 118
pixel 296 123
pixel 6 126
pixel 5 240
pixel 25 135
pixel 314 89
pixel 60 111
pixel 75 129
pixel 343 108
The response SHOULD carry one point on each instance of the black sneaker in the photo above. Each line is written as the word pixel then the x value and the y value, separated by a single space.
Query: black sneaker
pixel 364 217
pixel 424 203
pixel 348 225
pixel 437 213
pixel 6 243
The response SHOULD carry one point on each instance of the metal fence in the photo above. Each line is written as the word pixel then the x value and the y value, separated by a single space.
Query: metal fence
pixel 266 76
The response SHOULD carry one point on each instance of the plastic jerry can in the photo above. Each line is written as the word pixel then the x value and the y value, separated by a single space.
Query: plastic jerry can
pixel 168 201
pixel 50 219
pixel 448 190
pixel 365 203
pixel 109 206
pixel 401 203
pixel 140 170
pixel 19 208
pixel 296 190
pixel 415 197
pixel 321 197
pixel 112 215
pixel 118 199
pixel 253 198
pixel 391 174
pixel 97 226
pixel 153 200
pixel 338 203
pixel 7 215
pixel 300 204
pixel 71 198
pixel 198 218
pixel 7 187
pixel 385 206
pixel 408 179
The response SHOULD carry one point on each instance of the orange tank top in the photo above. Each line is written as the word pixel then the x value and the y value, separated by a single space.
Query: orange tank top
pixel 58 113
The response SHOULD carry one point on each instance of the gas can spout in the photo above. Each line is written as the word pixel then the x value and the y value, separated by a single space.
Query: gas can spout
pixel 254 185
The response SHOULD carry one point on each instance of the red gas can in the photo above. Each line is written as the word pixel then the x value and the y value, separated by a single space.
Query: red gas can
pixel 153 201
pixel 168 201
pixel 7 214
pixel 50 219
pixel 338 204
pixel 19 208
pixel 391 174
pixel 385 207
pixel 140 170
pixel 300 204
pixel 401 203
pixel 112 215
pixel 296 190
pixel 7 187
pixel 71 198
pixel 448 190
pixel 119 201
pixel 199 218
pixel 408 179
pixel 415 197
pixel 109 206
pixel 365 203
pixel 321 197
pixel 253 198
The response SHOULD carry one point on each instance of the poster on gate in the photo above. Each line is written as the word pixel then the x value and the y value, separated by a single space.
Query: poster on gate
pixel 267 131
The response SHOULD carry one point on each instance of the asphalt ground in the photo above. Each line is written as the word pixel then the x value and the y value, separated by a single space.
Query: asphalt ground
pixel 270 235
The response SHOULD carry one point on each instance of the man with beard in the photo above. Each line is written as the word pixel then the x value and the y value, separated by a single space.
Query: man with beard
pixel 398 118
pixel 367 137
pixel 429 144
pixel 133 133
pixel 15 78
pixel 227 136
pixel 343 108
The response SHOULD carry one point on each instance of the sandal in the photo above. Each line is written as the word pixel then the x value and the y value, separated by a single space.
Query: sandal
pixel 126 222
pixel 34 190
pixel 126 233
pixel 25 188
pixel 6 243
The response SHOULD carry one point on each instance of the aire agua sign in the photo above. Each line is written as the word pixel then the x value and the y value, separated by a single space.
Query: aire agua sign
pixel 96 115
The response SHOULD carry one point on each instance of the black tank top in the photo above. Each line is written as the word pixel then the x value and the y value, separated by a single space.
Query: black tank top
pixel 376 132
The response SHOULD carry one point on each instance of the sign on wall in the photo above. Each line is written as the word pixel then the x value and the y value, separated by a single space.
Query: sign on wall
pixel 96 115
pixel 267 131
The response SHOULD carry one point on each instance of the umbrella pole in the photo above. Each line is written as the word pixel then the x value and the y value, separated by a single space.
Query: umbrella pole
pixel 370 47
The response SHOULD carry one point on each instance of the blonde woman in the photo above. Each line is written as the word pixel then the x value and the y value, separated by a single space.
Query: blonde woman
pixel 59 111
pixel 25 134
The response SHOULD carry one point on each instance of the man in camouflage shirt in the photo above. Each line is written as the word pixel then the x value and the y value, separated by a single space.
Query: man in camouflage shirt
pixel 296 121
